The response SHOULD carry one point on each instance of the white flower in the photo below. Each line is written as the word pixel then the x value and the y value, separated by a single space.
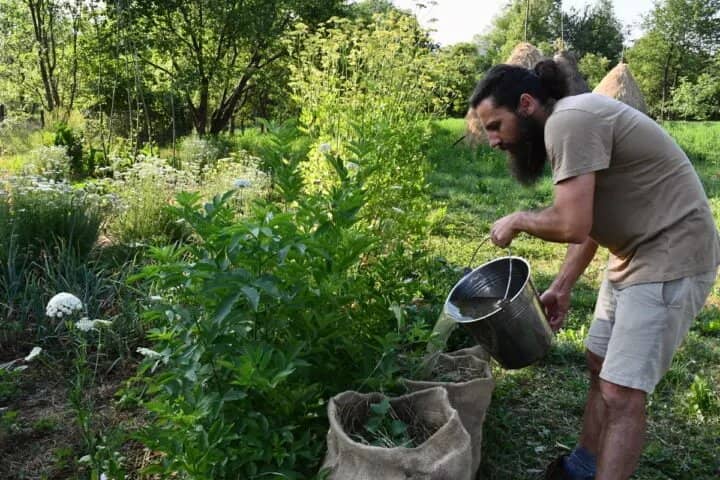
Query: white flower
pixel 324 148
pixel 63 304
pixel 85 324
pixel 103 476
pixel 242 183
pixel 397 210
pixel 33 354
pixel 146 352
pixel 155 298
pixel 352 166
pixel 84 459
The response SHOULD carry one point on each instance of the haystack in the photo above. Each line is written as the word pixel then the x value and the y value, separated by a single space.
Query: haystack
pixel 525 55
pixel 620 85
pixel 474 131
pixel 567 62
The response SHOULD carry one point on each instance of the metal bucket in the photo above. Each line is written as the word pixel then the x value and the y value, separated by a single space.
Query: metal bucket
pixel 497 302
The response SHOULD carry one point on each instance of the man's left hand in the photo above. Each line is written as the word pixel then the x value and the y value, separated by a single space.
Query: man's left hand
pixel 505 230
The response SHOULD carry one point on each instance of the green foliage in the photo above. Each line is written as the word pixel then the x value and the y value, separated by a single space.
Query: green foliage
pixel 366 91
pixel 509 27
pixel 593 67
pixel 258 316
pixel 459 69
pixel 699 100
pixel 595 31
pixel 384 429
pixel 702 400
pixel 73 143
pixel 680 40
pixel 38 216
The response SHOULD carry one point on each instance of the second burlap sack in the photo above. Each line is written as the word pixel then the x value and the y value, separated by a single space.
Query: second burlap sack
pixel 466 376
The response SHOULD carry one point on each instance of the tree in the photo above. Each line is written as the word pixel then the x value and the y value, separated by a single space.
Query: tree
pixel 211 49
pixel 595 30
pixel 681 37
pixel 699 100
pixel 534 21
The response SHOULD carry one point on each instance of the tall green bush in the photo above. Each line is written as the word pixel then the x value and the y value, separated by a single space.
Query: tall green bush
pixel 259 314
pixel 367 91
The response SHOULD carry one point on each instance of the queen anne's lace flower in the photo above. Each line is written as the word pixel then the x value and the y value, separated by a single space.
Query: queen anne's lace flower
pixel 242 183
pixel 324 148
pixel 85 324
pixel 146 352
pixel 63 304
pixel 33 354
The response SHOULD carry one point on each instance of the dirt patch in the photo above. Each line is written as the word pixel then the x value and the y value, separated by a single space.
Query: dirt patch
pixel 39 436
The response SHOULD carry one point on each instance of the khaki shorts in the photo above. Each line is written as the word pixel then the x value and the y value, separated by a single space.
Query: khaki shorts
pixel 637 329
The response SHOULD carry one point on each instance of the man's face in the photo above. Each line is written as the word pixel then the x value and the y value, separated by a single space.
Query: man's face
pixel 521 137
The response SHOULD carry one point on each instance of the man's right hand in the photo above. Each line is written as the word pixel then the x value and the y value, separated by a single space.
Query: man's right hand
pixel 556 304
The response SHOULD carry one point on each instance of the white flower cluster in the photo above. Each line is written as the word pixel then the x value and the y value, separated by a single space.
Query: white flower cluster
pixel 151 354
pixel 85 324
pixel 242 183
pixel 33 354
pixel 63 304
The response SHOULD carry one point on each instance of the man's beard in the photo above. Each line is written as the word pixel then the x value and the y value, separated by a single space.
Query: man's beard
pixel 527 157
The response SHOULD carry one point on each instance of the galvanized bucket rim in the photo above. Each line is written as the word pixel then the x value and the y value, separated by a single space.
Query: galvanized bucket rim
pixel 519 291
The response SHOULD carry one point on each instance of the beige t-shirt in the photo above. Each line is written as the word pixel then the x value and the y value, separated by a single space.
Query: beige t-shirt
pixel 650 209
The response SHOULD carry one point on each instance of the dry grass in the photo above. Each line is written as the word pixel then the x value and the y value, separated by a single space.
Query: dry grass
pixel 620 85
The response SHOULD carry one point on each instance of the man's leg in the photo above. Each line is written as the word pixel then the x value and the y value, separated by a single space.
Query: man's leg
pixel 592 427
pixel 624 431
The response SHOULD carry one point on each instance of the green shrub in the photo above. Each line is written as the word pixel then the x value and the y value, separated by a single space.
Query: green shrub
pixel 367 90
pixel 72 140
pixel 258 316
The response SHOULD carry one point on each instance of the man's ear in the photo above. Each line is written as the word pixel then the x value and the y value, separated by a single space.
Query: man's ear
pixel 527 105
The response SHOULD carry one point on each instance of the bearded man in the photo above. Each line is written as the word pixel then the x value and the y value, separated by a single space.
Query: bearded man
pixel 620 182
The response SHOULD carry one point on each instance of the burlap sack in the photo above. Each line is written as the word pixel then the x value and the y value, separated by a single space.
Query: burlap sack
pixel 469 383
pixel 445 455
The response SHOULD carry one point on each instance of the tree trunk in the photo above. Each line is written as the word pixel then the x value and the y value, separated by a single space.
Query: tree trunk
pixel 42 19
pixel 666 71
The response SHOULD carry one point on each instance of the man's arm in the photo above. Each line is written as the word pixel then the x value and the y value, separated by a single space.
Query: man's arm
pixel 556 298
pixel 568 220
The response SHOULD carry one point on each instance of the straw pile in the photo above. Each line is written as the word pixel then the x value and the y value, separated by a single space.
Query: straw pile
pixel 620 85
pixel 567 62
pixel 474 131
pixel 525 55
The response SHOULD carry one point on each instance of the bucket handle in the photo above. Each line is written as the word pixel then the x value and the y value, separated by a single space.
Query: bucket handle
pixel 472 262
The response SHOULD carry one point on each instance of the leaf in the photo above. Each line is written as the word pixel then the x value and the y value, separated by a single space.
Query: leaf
pixel 225 308
pixel 398 427
pixel 253 296
pixel 399 315
pixel 380 408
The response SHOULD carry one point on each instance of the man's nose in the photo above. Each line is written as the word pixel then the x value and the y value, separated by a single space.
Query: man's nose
pixel 494 140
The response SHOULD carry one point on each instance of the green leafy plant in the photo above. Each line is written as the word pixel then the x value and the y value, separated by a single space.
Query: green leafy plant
pixel 384 428
pixel 72 140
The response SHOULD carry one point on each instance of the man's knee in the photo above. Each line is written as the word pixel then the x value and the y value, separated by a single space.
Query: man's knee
pixel 621 400
pixel 594 363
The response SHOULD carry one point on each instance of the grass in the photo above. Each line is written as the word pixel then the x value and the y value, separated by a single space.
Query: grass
pixel 536 412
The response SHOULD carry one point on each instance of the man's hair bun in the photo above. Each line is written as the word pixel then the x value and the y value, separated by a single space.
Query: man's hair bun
pixel 552 78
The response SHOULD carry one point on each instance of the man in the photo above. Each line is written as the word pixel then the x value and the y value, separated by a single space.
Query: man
pixel 620 182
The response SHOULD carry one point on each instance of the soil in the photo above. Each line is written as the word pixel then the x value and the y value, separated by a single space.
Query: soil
pixel 39 436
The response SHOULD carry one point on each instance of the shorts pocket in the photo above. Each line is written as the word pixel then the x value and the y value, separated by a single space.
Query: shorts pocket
pixel 673 292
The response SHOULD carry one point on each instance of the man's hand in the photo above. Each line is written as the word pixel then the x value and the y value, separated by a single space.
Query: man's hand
pixel 505 230
pixel 557 304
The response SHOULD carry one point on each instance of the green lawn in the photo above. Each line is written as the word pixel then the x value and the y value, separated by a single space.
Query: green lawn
pixel 535 412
